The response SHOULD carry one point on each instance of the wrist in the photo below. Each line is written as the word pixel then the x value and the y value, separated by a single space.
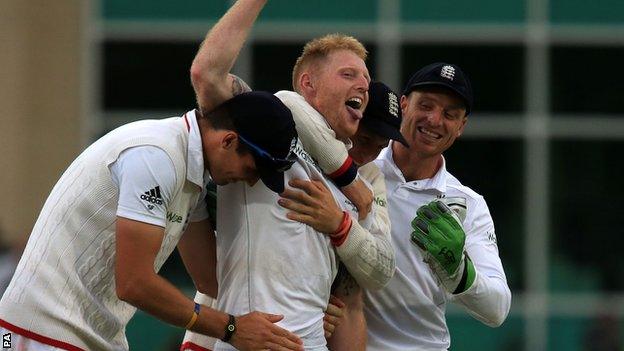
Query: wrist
pixel 230 328
pixel 194 317
pixel 340 235
pixel 468 277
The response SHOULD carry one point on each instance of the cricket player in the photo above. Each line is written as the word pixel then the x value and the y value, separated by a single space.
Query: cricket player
pixel 452 259
pixel 119 211
pixel 345 75
pixel 380 123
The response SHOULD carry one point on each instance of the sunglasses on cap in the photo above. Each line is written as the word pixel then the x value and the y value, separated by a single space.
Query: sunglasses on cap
pixel 280 164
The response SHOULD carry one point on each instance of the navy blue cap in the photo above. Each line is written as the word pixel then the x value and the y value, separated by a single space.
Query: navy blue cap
pixel 266 126
pixel 383 113
pixel 443 75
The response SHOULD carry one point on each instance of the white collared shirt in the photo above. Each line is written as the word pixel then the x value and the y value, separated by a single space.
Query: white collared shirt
pixel 146 179
pixel 408 314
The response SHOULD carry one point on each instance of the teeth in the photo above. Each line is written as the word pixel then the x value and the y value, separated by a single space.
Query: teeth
pixel 354 102
pixel 430 133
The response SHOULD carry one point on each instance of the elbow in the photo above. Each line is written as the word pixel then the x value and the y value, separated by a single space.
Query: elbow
pixel 382 279
pixel 496 320
pixel 129 289
pixel 209 289
pixel 499 312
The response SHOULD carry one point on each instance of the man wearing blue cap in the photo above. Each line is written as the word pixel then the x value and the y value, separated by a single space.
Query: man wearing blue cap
pixel 454 256
pixel 119 211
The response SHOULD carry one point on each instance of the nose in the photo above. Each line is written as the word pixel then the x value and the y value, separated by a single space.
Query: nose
pixel 435 117
pixel 362 84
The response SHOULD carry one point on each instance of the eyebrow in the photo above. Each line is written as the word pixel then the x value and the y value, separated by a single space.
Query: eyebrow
pixel 366 74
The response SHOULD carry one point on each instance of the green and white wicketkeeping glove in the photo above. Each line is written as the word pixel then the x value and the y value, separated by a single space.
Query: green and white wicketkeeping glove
pixel 439 234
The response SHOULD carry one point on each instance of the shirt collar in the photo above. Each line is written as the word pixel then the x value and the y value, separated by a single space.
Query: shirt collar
pixel 437 182
pixel 195 171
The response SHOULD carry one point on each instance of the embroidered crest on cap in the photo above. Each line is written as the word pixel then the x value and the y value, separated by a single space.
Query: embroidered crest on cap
pixel 448 72
pixel 393 104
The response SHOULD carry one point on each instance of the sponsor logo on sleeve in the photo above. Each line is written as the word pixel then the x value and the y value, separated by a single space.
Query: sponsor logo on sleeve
pixel 153 197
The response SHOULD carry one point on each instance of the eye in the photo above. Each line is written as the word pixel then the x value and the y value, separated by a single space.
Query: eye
pixel 425 106
pixel 451 115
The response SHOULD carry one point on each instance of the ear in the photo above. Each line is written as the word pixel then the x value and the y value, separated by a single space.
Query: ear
pixel 403 103
pixel 460 131
pixel 229 140
pixel 306 84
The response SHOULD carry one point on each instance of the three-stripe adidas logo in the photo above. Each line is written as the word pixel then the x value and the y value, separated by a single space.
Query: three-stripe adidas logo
pixel 153 196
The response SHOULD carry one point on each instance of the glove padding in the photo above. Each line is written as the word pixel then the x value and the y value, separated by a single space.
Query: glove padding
pixel 439 234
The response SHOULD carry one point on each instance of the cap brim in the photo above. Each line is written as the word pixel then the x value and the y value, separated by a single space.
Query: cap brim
pixel 440 84
pixel 272 178
pixel 385 130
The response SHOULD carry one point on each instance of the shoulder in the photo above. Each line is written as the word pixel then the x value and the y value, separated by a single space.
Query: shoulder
pixel 457 187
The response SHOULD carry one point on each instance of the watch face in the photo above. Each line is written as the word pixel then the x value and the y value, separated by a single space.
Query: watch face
pixel 230 327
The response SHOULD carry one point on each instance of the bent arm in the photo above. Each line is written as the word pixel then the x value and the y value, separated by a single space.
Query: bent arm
pixel 198 250
pixel 367 252
pixel 319 140
pixel 137 283
pixel 211 67
pixel 489 298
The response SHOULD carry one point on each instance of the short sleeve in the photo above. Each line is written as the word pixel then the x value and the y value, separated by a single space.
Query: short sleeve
pixel 146 179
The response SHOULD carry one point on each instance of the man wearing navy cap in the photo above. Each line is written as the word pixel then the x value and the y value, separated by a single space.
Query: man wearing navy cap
pixel 454 256
pixel 119 211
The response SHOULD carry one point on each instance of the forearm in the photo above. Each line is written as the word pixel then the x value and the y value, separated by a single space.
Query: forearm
pixel 155 295
pixel 192 339
pixel 319 140
pixel 488 299
pixel 350 335
pixel 218 52
pixel 369 258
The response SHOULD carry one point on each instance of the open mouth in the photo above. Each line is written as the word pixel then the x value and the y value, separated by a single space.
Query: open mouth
pixel 353 106
pixel 429 133
pixel 354 103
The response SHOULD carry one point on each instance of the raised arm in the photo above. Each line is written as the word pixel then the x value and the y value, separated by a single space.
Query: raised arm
pixel 210 71
pixel 320 141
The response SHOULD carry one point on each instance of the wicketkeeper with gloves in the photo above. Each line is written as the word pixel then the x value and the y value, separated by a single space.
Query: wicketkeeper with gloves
pixel 453 255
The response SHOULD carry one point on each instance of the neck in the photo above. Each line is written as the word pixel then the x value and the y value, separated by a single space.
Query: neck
pixel 414 165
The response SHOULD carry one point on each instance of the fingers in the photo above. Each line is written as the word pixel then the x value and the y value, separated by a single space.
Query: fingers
pixel 336 301
pixel 282 338
pixel 288 341
pixel 311 187
pixel 295 206
pixel 301 218
pixel 329 329
pixel 298 196
pixel 334 311
pixel 273 318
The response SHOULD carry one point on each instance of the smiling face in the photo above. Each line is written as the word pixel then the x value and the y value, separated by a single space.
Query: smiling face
pixel 337 86
pixel 432 119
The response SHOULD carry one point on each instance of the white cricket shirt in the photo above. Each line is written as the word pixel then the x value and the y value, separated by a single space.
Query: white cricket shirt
pixel 64 286
pixel 408 313
pixel 269 263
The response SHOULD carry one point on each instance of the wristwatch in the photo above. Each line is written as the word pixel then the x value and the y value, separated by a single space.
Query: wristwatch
pixel 230 328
